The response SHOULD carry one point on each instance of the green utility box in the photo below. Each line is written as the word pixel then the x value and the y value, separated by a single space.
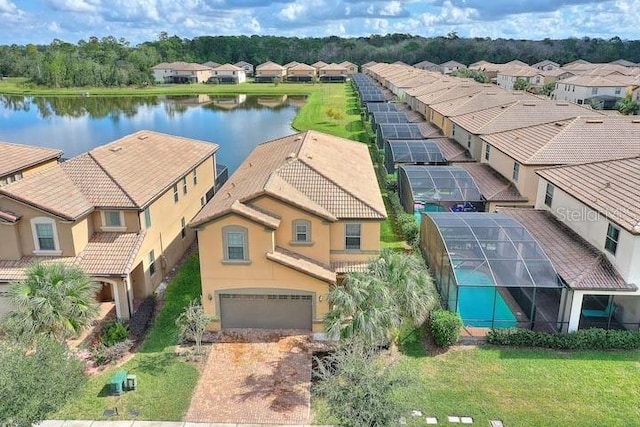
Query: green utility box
pixel 117 383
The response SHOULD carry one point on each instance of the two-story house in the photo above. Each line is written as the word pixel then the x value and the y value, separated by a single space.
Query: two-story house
pixel 119 212
pixel 247 67
pixel 299 212
pixel 18 161
pixel 270 72
pixel 600 91
pixel 228 73
pixel 301 73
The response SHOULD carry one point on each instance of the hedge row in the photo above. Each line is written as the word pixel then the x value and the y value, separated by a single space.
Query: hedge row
pixel 407 223
pixel 585 339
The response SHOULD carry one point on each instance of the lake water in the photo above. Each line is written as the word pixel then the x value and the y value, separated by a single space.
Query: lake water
pixel 77 124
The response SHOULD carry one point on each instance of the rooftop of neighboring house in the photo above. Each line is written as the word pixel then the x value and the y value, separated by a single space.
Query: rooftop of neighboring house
pixel 333 66
pixel 181 66
pixel 319 64
pixel 291 64
pixel 301 67
pixel 571 141
pixel 270 66
pixel 519 71
pixel 425 64
pixel 452 64
pixel 369 64
pixel 211 64
pixel 577 262
pixel 347 64
pixel 228 67
pixel 456 90
pixel 493 186
pixel 302 170
pixel 602 81
pixel 520 114
pixel 545 62
pixel 17 157
pixel 609 187
pixel 243 64
pixel 111 176
pixel 489 97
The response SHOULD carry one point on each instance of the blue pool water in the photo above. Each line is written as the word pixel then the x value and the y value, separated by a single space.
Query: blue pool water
pixel 429 207
pixel 476 303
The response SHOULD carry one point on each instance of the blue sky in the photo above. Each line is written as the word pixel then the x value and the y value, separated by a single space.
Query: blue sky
pixel 41 21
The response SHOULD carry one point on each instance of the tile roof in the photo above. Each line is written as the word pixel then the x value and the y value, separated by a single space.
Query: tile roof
pixel 493 186
pixel 303 170
pixel 8 216
pixel 301 67
pixel 487 98
pixel 318 64
pixel 451 150
pixel 228 67
pixel 577 140
pixel 302 264
pixel 579 264
pixel 350 266
pixel 518 71
pixel 610 187
pixel 16 157
pixel 520 114
pixel 256 214
pixel 211 64
pixel 270 66
pixel 106 254
pixel 334 67
pixel 601 81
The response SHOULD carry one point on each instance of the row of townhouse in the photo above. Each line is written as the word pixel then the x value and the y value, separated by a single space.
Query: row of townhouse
pixel 119 212
pixel 573 168
pixel 212 72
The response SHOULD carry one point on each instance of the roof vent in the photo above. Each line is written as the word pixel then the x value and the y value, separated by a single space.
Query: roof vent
pixel 559 124
pixel 562 104
pixel 143 137
pixel 250 164
pixel 529 104
pixel 115 149
pixel 291 156
pixel 228 196
pixel 594 121
pixel 635 121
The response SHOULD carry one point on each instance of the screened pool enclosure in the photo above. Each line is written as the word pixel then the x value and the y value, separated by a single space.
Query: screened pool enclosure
pixel 388 131
pixel 489 269
pixel 411 151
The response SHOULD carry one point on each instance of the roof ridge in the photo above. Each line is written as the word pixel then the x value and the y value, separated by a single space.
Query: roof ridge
pixel 585 273
pixel 117 184
pixel 546 144
pixel 341 187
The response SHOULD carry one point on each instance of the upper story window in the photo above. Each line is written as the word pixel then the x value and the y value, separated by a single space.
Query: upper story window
pixel 112 219
pixel 184 185
pixel 235 243
pixel 175 193
pixel 618 90
pixel 611 241
pixel 195 177
pixel 548 194
pixel 301 231
pixel 45 236
pixel 453 130
pixel 352 236
pixel 516 171
pixel 469 141
pixel 147 217
pixel 487 152
pixel 594 91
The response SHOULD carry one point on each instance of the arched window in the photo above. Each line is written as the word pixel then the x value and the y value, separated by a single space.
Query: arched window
pixel 235 243
pixel 301 231
pixel 45 236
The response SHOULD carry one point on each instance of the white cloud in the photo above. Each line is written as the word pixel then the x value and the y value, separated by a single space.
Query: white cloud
pixel 393 8
pixel 75 5
pixel 7 7
pixel 292 12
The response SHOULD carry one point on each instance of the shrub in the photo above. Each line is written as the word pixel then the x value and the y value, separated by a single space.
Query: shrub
pixel 407 223
pixel 102 354
pixel 445 327
pixel 113 332
pixel 141 319
pixel 585 339
pixel 192 323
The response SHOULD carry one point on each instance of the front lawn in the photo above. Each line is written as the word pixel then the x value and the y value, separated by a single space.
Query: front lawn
pixel 165 383
pixel 522 387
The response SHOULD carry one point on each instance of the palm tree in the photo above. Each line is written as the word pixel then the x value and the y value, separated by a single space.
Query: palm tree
pixel 627 106
pixel 396 292
pixel 54 299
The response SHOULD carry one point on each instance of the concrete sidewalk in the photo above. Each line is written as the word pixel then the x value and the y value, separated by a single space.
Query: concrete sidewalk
pixel 114 423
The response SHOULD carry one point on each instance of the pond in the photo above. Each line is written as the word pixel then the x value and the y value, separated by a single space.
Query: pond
pixel 77 124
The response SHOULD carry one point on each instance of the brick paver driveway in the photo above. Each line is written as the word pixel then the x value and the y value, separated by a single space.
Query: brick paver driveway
pixel 266 381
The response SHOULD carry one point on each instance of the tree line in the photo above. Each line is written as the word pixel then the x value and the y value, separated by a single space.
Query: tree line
pixel 110 61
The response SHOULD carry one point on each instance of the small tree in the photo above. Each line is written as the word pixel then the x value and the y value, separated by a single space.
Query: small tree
pixel 627 106
pixel 36 380
pixel 521 84
pixel 358 386
pixel 192 324
pixel 396 292
pixel 54 299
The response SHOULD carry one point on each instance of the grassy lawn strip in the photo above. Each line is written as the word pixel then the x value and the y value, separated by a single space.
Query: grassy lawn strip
pixel 165 383
pixel 521 387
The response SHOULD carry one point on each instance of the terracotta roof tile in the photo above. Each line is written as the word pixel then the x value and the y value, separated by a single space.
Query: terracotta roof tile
pixel 302 169
pixel 493 186
pixel 350 266
pixel 255 214
pixel 15 157
pixel 610 187
pixel 301 67
pixel 8 216
pixel 451 150
pixel 579 264
pixel 13 270
pixel 270 66
pixel 228 67
pixel 302 264
pixel 110 254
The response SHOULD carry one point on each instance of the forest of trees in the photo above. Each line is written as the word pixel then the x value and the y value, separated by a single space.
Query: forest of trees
pixel 114 62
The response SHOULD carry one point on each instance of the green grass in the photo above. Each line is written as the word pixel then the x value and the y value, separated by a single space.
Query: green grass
pixel 165 383
pixel 521 387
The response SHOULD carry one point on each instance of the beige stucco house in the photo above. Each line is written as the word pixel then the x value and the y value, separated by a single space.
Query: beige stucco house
pixel 269 72
pixel 333 73
pixel 18 161
pixel 181 72
pixel 281 231
pixel 229 73
pixel 119 212
pixel 350 66
pixel 301 73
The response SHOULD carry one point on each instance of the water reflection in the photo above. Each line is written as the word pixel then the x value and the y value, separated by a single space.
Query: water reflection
pixel 77 124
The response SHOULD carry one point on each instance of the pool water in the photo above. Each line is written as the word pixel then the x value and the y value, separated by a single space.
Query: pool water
pixel 476 302
pixel 429 207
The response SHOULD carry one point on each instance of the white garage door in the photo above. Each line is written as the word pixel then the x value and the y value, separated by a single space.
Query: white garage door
pixel 275 311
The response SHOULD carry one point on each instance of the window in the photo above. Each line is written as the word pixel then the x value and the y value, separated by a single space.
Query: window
pixel 611 242
pixel 618 90
pixel 45 236
pixel 468 141
pixel 594 91
pixel 453 130
pixel 195 177
pixel 487 152
pixel 147 217
pixel 235 242
pixel 516 171
pixel 548 195
pixel 352 236
pixel 184 185
pixel 175 193
pixel 301 231
pixel 183 229
pixel 152 263
pixel 112 219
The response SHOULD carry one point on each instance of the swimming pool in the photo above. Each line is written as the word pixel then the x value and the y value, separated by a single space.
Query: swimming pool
pixel 429 207
pixel 476 303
